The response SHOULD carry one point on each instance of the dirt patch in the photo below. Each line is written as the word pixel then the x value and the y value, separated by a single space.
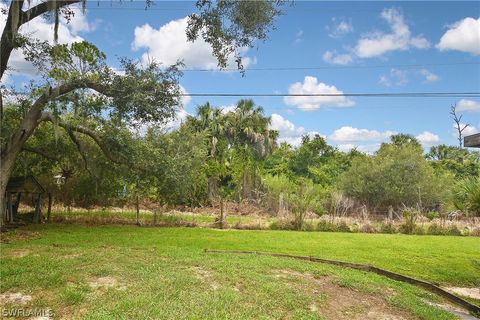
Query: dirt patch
pixel 466 292
pixel 20 253
pixel 16 235
pixel 72 256
pixel 205 276
pixel 105 283
pixel 333 301
pixel 14 298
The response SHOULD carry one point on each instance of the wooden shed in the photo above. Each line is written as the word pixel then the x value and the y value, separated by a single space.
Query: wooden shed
pixel 18 187
pixel 472 141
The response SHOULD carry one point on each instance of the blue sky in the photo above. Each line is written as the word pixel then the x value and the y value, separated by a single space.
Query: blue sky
pixel 336 47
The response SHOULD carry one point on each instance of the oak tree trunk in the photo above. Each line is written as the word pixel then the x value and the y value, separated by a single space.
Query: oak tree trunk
pixel 13 148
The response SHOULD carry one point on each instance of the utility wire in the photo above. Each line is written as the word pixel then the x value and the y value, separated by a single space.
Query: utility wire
pixel 470 94
pixel 358 94
pixel 292 68
pixel 336 67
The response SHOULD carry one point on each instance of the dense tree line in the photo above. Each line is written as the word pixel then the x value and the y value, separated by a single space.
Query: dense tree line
pixel 217 155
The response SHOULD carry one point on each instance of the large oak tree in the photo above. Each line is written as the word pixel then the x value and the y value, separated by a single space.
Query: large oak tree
pixel 142 94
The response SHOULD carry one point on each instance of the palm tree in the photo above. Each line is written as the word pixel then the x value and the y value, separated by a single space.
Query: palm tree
pixel 241 136
pixel 210 121
pixel 251 137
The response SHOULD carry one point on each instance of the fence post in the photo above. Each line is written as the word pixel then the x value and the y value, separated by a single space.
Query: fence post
pixel 49 210
pixel 138 210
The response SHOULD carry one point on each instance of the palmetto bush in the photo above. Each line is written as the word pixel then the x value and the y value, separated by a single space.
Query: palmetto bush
pixel 467 196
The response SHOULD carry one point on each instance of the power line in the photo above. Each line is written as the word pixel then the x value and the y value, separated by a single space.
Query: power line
pixel 313 95
pixel 293 68
pixel 405 66
pixel 357 94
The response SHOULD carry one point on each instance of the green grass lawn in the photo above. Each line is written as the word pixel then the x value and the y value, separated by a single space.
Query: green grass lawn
pixel 111 272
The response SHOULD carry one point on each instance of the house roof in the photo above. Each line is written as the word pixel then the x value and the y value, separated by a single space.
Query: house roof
pixel 25 184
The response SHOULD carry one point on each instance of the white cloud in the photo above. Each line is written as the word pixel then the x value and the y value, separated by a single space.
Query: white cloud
pixel 178 119
pixel 335 58
pixel 429 76
pixel 288 132
pixel 468 105
pixel 428 139
pixel 185 99
pixel 364 140
pixel 384 80
pixel 377 43
pixel 348 134
pixel 227 109
pixel 311 85
pixel 464 36
pixel 366 148
pixel 471 129
pixel 299 36
pixel 396 77
pixel 79 23
pixel 169 44
pixel 339 28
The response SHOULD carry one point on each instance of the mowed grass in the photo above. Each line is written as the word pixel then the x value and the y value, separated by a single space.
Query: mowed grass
pixel 115 272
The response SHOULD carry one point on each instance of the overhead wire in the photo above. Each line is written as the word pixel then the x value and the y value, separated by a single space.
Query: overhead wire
pixel 293 68
pixel 353 94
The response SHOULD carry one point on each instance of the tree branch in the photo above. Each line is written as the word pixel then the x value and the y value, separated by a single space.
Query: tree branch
pixel 42 8
pixel 40 152
pixel 80 148
pixel 53 93
pixel 46 116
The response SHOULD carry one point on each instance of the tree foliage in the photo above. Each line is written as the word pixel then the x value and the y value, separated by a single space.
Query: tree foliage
pixel 397 176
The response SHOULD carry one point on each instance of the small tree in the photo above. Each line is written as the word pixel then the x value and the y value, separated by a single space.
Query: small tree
pixel 305 198
pixel 459 126
pixel 300 195
pixel 396 176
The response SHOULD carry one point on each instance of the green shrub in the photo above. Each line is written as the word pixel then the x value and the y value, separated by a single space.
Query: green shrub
pixel 282 224
pixel 169 220
pixel 419 230
pixel 308 226
pixel 343 227
pixel 255 226
pixel 367 228
pixel 430 215
pixel 388 227
pixel 453 231
pixel 300 194
pixel 397 175
pixel 354 228
pixel 466 196
pixel 436 229
pixel 326 226
pixel 410 217
pixel 475 232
